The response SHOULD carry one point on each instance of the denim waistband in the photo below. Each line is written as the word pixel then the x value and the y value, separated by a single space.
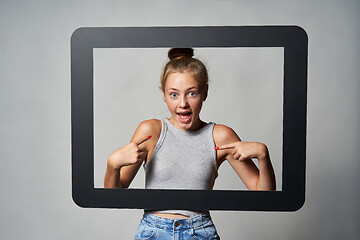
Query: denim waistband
pixel 176 224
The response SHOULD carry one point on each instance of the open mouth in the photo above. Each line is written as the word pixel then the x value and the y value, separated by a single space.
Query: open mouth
pixel 185 117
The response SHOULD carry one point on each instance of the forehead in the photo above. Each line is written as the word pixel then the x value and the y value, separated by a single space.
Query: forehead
pixel 181 81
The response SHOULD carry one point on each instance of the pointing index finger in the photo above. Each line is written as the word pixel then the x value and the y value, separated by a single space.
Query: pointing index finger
pixel 143 140
pixel 223 147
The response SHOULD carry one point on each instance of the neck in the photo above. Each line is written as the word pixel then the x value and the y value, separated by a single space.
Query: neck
pixel 199 124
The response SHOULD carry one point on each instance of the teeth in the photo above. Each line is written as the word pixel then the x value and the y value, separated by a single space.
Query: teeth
pixel 182 116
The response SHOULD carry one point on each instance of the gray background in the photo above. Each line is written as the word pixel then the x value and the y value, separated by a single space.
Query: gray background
pixel 246 93
pixel 35 116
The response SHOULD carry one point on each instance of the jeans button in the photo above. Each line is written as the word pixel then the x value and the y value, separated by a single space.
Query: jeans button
pixel 176 224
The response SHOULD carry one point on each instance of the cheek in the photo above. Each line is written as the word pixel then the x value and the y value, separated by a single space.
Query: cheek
pixel 170 105
pixel 197 105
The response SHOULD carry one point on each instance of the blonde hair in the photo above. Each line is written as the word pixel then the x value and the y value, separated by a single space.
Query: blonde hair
pixel 181 59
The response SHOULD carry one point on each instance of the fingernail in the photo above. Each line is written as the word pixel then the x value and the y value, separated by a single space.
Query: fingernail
pixel 217 148
pixel 149 136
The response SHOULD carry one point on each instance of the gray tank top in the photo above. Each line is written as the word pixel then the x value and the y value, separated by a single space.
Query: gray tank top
pixel 182 160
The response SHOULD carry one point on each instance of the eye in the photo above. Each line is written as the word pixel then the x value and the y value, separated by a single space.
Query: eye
pixel 192 94
pixel 173 95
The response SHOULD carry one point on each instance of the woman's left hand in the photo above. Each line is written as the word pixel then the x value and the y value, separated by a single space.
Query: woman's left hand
pixel 243 151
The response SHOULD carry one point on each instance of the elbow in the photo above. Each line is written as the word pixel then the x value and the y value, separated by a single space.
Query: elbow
pixel 269 186
pixel 263 189
pixel 108 186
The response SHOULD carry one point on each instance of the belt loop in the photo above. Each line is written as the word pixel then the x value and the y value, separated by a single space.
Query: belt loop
pixel 191 222
pixel 173 232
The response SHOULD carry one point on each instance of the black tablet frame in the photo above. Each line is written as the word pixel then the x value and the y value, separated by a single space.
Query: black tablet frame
pixel 295 43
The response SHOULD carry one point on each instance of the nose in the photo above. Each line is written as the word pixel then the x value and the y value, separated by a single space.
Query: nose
pixel 183 103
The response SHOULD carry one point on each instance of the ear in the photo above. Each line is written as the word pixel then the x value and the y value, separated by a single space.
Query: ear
pixel 205 93
pixel 163 95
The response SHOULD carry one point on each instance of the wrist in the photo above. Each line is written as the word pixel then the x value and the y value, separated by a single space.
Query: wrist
pixel 113 165
pixel 262 152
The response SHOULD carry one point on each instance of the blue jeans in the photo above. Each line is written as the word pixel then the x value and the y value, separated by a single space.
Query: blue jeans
pixel 155 227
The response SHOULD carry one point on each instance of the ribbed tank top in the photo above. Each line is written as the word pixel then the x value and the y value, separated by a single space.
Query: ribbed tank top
pixel 182 160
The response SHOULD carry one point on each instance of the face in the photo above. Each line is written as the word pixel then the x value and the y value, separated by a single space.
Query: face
pixel 184 100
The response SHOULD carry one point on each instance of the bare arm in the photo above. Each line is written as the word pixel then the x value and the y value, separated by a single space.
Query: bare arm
pixel 124 163
pixel 239 154
pixel 112 177
pixel 266 177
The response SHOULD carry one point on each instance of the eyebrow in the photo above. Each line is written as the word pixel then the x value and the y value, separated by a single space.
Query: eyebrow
pixel 186 89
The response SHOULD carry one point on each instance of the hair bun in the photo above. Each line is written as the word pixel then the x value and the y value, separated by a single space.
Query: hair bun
pixel 177 53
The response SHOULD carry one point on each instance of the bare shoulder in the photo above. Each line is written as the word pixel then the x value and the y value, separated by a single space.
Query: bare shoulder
pixel 151 127
pixel 223 135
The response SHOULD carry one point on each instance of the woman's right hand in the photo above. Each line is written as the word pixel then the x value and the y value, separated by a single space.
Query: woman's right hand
pixel 129 154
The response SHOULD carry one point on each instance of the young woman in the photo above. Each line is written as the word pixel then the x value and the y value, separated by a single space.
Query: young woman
pixel 183 152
